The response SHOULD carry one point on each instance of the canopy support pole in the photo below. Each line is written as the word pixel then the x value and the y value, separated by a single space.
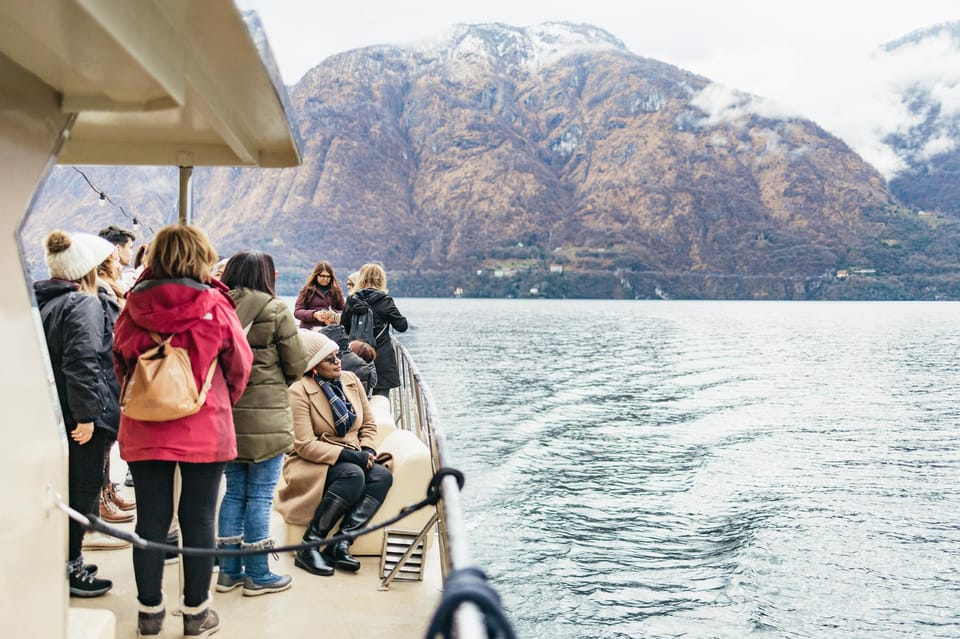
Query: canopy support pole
pixel 185 211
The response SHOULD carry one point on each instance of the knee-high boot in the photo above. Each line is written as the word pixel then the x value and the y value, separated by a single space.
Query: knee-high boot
pixel 331 508
pixel 359 517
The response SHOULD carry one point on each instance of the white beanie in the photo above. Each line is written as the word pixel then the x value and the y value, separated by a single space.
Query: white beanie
pixel 71 256
pixel 318 346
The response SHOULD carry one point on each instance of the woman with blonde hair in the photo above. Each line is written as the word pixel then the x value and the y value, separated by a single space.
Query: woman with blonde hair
pixel 320 301
pixel 108 279
pixel 372 293
pixel 114 508
pixel 76 334
pixel 352 282
pixel 177 296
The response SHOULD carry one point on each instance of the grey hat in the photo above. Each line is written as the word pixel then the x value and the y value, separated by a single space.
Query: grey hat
pixel 318 347
pixel 70 256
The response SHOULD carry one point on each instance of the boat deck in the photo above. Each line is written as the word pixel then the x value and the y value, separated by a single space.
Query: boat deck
pixel 342 606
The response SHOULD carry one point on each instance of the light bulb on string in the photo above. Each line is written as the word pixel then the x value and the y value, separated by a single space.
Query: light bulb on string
pixel 103 198
pixel 136 224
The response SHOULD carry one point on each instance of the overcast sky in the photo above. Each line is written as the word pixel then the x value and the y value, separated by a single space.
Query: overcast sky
pixel 815 58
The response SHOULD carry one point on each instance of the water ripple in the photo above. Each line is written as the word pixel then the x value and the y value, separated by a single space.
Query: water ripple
pixel 688 469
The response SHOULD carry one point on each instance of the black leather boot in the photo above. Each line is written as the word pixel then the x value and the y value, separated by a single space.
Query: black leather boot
pixel 331 508
pixel 359 517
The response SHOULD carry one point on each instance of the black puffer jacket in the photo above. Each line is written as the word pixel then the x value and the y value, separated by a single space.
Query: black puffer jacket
pixel 111 311
pixel 79 343
pixel 385 315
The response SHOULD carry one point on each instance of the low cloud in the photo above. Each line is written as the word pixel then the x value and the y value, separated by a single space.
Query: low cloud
pixel 725 105
pixel 937 146
pixel 927 70
pixel 860 96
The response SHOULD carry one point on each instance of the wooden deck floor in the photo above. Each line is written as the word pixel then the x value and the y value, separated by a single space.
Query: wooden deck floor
pixel 343 606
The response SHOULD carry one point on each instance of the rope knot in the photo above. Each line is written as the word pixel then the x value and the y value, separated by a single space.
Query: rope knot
pixel 433 490
pixel 469 584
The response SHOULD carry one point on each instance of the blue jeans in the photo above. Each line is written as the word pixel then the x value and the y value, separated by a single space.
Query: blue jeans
pixel 245 515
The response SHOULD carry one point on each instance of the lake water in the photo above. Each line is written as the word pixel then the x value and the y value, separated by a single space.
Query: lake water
pixel 705 469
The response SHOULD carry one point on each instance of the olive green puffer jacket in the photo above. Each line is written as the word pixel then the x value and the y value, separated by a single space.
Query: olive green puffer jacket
pixel 262 417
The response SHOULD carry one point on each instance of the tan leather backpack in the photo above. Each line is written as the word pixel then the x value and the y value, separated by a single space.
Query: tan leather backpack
pixel 161 388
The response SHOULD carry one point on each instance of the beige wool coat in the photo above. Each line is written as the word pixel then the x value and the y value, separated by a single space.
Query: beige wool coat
pixel 316 445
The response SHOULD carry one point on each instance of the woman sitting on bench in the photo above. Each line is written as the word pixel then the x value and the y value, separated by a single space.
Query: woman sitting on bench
pixel 332 471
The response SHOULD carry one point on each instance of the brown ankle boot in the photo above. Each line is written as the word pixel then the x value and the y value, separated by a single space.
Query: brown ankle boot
pixel 109 511
pixel 118 499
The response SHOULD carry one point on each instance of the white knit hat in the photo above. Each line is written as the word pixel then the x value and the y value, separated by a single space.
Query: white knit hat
pixel 70 256
pixel 318 346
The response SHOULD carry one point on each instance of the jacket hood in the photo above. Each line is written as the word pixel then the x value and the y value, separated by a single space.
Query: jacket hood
pixel 106 292
pixel 250 302
pixel 173 306
pixel 368 296
pixel 46 290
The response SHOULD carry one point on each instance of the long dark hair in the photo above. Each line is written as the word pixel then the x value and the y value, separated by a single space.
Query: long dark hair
pixel 336 293
pixel 251 269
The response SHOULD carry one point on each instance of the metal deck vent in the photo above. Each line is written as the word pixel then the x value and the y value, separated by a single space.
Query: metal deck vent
pixel 398 549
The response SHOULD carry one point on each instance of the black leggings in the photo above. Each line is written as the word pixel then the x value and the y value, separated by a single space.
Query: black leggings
pixel 153 484
pixel 85 481
pixel 111 439
pixel 350 482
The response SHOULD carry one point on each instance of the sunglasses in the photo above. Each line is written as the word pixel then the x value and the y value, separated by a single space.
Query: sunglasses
pixel 332 359
pixel 324 276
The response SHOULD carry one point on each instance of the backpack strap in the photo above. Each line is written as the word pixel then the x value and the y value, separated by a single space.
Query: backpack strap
pixel 207 382
pixel 161 343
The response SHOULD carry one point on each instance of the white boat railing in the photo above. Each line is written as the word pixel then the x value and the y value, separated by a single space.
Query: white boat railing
pixel 414 410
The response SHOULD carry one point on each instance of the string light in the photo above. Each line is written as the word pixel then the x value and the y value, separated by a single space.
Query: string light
pixel 103 198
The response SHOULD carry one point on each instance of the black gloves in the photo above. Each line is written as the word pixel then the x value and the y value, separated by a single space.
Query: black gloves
pixel 350 456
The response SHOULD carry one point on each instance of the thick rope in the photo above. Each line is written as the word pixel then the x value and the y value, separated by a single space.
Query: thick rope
pixel 95 523
pixel 469 584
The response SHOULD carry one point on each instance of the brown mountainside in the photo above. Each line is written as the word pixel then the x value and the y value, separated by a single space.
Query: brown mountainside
pixel 512 148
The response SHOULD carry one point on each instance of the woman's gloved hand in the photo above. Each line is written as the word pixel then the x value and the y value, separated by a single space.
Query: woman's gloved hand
pixel 361 458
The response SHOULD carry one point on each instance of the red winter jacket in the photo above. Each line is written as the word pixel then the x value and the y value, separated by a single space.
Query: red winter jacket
pixel 205 323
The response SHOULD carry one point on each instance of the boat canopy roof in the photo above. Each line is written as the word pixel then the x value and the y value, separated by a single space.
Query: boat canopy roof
pixel 156 82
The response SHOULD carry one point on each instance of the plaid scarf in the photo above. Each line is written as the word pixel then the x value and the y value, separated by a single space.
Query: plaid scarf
pixel 343 415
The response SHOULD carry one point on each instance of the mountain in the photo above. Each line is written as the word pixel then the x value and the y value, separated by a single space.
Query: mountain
pixel 521 153
pixel 929 145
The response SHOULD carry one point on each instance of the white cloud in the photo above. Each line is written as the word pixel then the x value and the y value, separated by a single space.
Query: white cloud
pixel 936 146
pixel 949 98
pixel 726 105
pixel 817 58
